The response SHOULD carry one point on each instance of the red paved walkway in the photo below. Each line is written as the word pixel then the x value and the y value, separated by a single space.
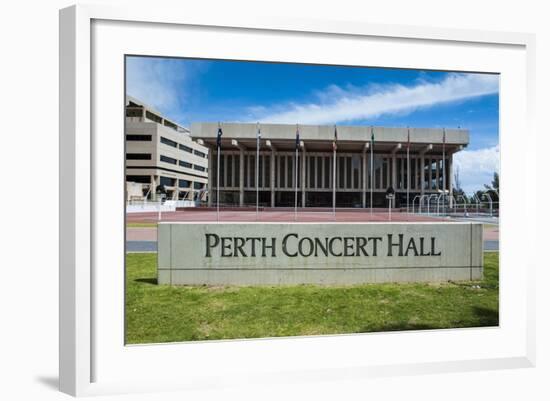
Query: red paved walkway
pixel 277 216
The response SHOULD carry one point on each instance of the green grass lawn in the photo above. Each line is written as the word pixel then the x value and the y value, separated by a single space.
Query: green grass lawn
pixel 158 313
pixel 140 225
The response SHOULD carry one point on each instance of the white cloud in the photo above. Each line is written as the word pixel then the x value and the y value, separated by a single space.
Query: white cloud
pixel 338 104
pixel 476 167
pixel 156 82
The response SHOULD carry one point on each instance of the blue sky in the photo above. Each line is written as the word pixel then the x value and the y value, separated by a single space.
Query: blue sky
pixel 188 90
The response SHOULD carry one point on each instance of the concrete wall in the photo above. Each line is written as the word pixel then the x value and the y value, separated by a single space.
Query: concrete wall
pixel 240 253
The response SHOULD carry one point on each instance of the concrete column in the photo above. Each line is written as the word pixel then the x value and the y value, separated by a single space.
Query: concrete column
pixel 295 163
pixel 303 177
pixel 450 178
pixel 250 175
pixel 418 172
pixel 414 184
pixel 210 177
pixel 262 171
pixel 422 174
pixel 330 171
pixel 234 171
pixel 364 178
pixel 322 171
pixel 403 161
pixel 345 166
pixel 287 184
pixel 222 180
pixel 272 178
pixel 278 185
pixel 438 164
pixel 394 172
pixel 241 177
pixel 388 174
pixel 336 175
pixel 318 172
pixel 394 176
pixel 381 174
pixel 153 188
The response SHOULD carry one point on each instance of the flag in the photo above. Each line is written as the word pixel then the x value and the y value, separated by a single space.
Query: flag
pixel 219 137
pixel 259 134
pixel 297 138
pixel 372 135
pixel 334 142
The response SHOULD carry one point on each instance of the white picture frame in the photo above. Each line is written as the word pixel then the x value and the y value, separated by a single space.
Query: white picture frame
pixel 93 357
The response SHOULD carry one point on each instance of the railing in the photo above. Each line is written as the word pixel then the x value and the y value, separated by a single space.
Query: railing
pixel 140 206
pixel 460 206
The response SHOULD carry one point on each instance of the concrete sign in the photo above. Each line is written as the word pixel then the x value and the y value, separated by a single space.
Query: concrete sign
pixel 321 253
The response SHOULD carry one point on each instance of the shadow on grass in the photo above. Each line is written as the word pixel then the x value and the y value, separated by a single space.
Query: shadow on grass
pixel 397 327
pixel 486 316
pixel 146 280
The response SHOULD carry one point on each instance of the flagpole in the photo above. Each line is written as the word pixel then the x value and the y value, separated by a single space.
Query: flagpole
pixel 334 182
pixel 218 176
pixel 257 163
pixel 334 174
pixel 296 176
pixel 371 167
pixel 218 186
pixel 408 167
pixel 296 188
pixel 444 180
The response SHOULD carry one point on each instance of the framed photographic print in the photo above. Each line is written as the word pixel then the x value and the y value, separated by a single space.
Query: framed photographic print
pixel 267 200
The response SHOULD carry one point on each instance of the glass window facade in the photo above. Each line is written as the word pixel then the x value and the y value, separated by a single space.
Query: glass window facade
pixel 138 156
pixel 142 179
pixel 185 148
pixel 144 138
pixel 168 142
pixel 167 181
pixel 167 159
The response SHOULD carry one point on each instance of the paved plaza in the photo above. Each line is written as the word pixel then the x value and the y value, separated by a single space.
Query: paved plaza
pixel 144 238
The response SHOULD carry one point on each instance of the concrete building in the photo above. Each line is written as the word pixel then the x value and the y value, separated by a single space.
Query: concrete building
pixel 160 152
pixel 428 169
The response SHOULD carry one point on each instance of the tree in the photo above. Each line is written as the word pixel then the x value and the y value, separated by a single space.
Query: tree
pixel 494 184
pixel 494 187
pixel 493 190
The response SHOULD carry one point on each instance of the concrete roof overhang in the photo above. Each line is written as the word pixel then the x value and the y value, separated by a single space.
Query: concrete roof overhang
pixel 319 138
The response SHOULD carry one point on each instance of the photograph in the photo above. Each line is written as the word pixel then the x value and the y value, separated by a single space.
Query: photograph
pixel 277 199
